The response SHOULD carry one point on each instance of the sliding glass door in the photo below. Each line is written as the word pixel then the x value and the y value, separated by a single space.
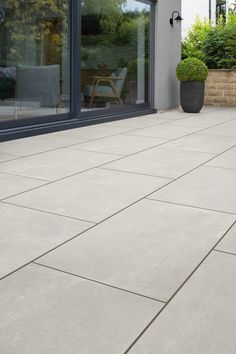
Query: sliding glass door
pixel 73 59
pixel 115 54
pixel 34 58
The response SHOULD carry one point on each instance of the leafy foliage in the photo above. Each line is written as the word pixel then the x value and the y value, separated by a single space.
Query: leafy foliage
pixel 192 45
pixel 213 44
pixel 191 69
pixel 220 46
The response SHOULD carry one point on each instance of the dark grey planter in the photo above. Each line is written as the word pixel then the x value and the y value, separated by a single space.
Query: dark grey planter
pixel 192 96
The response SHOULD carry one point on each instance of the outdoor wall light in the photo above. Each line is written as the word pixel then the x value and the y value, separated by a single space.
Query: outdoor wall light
pixel 178 18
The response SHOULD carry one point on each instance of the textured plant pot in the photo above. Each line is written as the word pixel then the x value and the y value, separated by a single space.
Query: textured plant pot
pixel 192 96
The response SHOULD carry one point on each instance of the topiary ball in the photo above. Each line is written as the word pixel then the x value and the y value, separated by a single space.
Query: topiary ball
pixel 191 69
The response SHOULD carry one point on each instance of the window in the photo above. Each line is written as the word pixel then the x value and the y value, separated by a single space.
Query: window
pixel 34 59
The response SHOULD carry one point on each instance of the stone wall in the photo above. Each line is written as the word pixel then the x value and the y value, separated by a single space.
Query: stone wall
pixel 221 88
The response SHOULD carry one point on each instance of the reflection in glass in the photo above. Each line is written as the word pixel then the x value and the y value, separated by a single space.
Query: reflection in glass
pixel 34 58
pixel 115 53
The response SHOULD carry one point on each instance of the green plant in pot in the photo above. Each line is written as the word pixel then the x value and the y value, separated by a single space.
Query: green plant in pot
pixel 192 73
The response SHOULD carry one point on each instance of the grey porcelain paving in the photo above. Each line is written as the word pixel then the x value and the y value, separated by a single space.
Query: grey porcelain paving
pixel 201 319
pixel 226 160
pixel 221 112
pixel 201 120
pixel 36 144
pixel 203 143
pixel 140 122
pixel 46 311
pixel 93 195
pixel 6 157
pixel 56 164
pixel 10 185
pixel 225 129
pixel 165 131
pixel 207 187
pixel 27 234
pixel 150 248
pixel 120 144
pixel 161 162
pixel 228 244
pixel 92 132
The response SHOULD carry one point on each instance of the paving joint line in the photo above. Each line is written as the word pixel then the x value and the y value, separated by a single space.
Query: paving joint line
pixel 98 282
pixel 134 173
pixel 47 212
pixel 190 206
pixel 225 252
pixel 178 290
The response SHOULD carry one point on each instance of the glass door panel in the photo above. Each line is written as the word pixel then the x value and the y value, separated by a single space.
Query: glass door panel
pixel 34 58
pixel 115 54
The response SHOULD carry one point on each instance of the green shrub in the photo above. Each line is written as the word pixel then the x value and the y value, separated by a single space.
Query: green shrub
pixel 215 45
pixel 192 45
pixel 191 69
pixel 220 45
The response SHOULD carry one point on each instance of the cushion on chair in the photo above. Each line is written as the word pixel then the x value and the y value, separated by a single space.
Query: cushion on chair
pixel 39 84
pixel 100 89
pixel 120 83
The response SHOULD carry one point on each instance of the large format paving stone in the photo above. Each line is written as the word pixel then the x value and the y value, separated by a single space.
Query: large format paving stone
pixel 6 157
pixel 202 120
pixel 92 132
pixel 160 161
pixel 203 143
pixel 226 160
pixel 56 164
pixel 92 195
pixel 150 248
pixel 228 244
pixel 165 131
pixel 141 122
pixel 206 187
pixel 36 144
pixel 10 184
pixel 225 129
pixel 120 144
pixel 45 311
pixel 201 319
pixel 26 234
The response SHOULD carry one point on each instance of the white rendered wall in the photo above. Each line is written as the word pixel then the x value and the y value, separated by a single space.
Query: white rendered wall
pixel 167 54
pixel 193 8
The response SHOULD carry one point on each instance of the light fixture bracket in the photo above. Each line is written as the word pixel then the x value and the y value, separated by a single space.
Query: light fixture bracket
pixel 178 18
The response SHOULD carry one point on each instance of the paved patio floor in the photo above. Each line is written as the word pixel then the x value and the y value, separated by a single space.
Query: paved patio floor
pixel 121 237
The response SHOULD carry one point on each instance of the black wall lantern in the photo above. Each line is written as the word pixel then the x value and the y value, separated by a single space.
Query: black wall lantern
pixel 178 18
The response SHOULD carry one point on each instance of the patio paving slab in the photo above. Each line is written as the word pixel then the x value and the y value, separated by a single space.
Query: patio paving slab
pixel 47 311
pixel 92 195
pixel 120 144
pixel 92 132
pixel 11 185
pixel 160 161
pixel 201 319
pixel 225 129
pixel 202 120
pixel 7 157
pixel 226 160
pixel 36 144
pixel 203 143
pixel 228 244
pixel 141 122
pixel 165 131
pixel 149 248
pixel 27 234
pixel 207 187
pixel 56 164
